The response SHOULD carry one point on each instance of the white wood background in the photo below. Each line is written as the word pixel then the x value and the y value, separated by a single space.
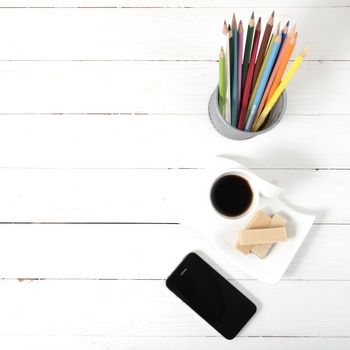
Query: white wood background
pixel 103 120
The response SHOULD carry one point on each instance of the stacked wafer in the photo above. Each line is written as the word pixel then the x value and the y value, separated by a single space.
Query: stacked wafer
pixel 251 77
pixel 261 234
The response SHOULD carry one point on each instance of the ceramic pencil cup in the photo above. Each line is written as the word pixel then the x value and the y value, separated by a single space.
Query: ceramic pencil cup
pixel 227 130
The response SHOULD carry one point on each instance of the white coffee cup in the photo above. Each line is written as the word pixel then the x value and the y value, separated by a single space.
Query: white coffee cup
pixel 247 183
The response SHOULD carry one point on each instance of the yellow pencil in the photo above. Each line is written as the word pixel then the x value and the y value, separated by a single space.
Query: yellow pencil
pixel 279 89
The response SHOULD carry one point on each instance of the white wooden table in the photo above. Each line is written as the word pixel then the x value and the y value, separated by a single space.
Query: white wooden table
pixel 103 119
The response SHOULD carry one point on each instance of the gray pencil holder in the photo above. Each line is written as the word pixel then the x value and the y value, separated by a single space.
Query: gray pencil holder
pixel 227 130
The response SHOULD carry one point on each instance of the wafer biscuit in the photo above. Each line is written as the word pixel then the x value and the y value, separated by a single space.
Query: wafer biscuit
pixel 245 249
pixel 262 236
pixel 261 250
pixel 259 220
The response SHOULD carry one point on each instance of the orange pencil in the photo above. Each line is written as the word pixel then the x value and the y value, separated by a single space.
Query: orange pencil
pixel 290 40
pixel 282 66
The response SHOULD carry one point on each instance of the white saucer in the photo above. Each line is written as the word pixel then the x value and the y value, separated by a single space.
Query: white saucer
pixel 198 213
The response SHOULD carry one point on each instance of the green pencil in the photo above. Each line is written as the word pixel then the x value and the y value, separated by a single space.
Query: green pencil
pixel 234 90
pixel 248 46
pixel 222 81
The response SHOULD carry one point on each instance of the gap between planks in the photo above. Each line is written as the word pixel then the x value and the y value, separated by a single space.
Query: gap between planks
pixel 126 223
pixel 146 114
pixel 38 279
pixel 149 60
pixel 165 7
pixel 171 168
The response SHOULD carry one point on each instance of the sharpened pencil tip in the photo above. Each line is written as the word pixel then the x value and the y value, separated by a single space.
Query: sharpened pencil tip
pixel 271 19
pixel 287 24
pixel 252 16
pixel 278 27
pixel 258 25
pixel 224 28
pixel 234 22
pixel 303 53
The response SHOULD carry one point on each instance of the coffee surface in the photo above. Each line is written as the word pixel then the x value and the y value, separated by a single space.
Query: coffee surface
pixel 231 195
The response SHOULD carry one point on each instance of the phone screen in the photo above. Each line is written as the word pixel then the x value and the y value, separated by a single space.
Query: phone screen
pixel 211 296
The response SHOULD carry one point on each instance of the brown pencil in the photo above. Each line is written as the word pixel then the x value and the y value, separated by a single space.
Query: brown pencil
pixel 263 46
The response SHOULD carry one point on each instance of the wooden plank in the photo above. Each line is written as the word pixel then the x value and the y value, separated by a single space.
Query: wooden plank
pixel 170 343
pixel 149 195
pixel 152 87
pixel 165 34
pixel 135 252
pixel 173 3
pixel 166 141
pixel 147 308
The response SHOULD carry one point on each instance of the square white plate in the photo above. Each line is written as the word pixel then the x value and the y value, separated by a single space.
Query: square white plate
pixel 198 213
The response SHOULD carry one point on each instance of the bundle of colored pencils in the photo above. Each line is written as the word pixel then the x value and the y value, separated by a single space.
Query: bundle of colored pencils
pixel 250 84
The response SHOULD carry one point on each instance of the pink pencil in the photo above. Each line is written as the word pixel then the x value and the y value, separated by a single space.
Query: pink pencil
pixel 239 64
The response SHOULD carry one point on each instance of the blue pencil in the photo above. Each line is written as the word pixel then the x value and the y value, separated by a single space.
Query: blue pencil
pixel 263 82
pixel 284 33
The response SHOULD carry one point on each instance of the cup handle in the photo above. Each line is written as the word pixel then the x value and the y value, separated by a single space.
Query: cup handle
pixel 266 188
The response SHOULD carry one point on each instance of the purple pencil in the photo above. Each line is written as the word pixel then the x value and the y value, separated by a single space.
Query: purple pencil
pixel 239 64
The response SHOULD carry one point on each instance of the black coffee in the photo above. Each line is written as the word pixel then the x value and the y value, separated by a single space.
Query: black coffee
pixel 231 195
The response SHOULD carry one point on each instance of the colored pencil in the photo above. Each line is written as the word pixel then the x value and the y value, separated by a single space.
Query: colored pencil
pixel 228 77
pixel 231 60
pixel 247 49
pixel 234 73
pixel 251 75
pixel 271 60
pixel 280 88
pixel 249 78
pixel 222 81
pixel 263 46
pixel 284 33
pixel 290 40
pixel 281 69
pixel 271 40
pixel 266 58
pixel 285 42
pixel 224 28
pixel 239 64
pixel 225 31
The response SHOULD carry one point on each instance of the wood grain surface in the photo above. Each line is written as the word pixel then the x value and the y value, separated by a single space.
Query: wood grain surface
pixel 103 124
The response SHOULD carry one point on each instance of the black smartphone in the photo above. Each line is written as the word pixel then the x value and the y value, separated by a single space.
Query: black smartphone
pixel 211 296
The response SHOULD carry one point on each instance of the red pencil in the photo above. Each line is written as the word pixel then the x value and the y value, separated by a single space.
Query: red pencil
pixel 249 78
